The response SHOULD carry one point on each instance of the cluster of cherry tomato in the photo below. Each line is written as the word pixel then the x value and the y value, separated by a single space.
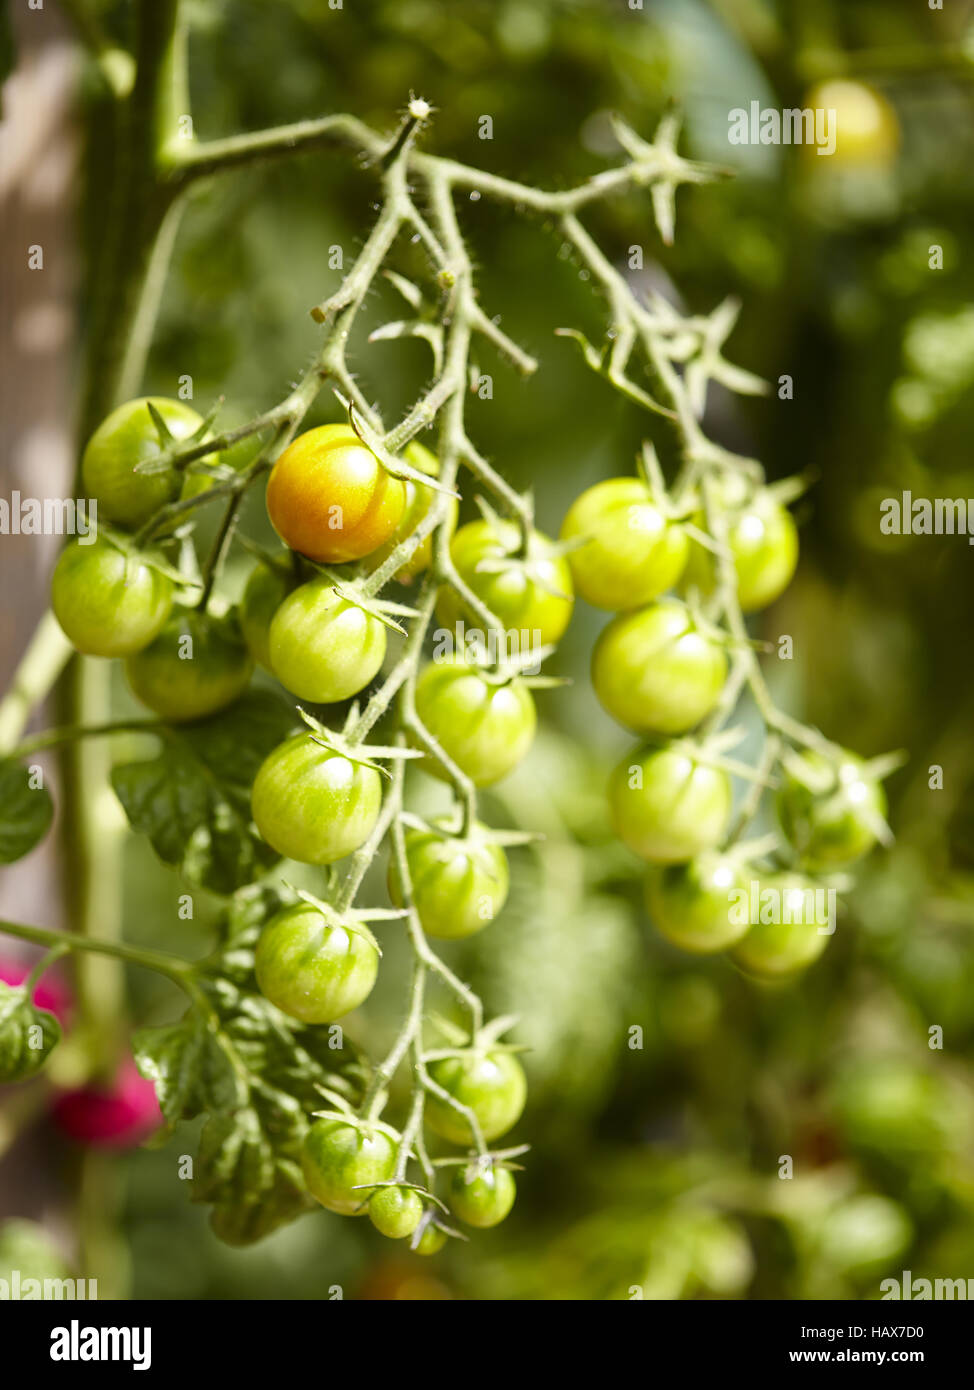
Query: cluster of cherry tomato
pixel 660 668
pixel 315 798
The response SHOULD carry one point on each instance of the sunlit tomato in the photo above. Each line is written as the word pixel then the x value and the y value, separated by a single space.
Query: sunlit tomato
pixel 314 967
pixel 124 438
pixel 531 595
pixel 667 806
pixel 632 552
pixel 324 648
pixel 490 1083
pixel 107 602
pixel 342 1157
pixel 117 1115
pixel 482 1199
pixel 866 128
pixel 485 727
pixel 419 500
pixel 330 498
pixel 196 666
pixel 396 1211
pixel 793 929
pixel 265 591
pixel 838 824
pixel 693 904
pixel 655 672
pixel 763 540
pixel 313 805
pixel 459 882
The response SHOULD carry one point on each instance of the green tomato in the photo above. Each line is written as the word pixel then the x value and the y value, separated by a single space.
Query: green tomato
pixel 313 967
pixel 793 931
pixel 108 603
pixel 197 665
pixel 667 806
pixel 655 672
pixel 419 500
pixel 313 805
pixel 459 882
pixel 838 825
pixel 632 552
pixel 531 595
pixel 482 1199
pixel 265 591
pixel 763 541
pixel 693 904
pixel 396 1211
pixel 490 1083
pixel 324 648
pixel 431 1241
pixel 340 1158
pixel 485 727
pixel 124 438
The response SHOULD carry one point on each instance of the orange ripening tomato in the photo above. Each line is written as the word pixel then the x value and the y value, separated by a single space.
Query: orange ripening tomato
pixel 330 498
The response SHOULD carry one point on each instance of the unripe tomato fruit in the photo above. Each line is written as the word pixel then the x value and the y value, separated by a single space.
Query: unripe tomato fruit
pixel 482 1199
pixel 108 603
pixel 265 591
pixel 867 131
pixel 340 1158
pixel 666 806
pixel 419 500
pixel 532 596
pixel 197 665
pixel 775 949
pixel 692 904
pixel 459 882
pixel 396 1211
pixel 763 540
pixel 124 438
pixel 117 1116
pixel 322 647
pixel 313 805
pixel 491 1084
pixel 655 672
pixel 313 968
pixel 835 827
pixel 486 728
pixel 330 498
pixel 431 1241
pixel 632 552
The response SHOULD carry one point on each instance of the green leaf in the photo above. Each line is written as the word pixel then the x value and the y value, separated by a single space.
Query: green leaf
pixel 27 1034
pixel 26 811
pixel 193 799
pixel 257 1074
pixel 253 1188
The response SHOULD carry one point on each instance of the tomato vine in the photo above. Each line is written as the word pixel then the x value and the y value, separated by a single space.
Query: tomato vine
pixel 292 1108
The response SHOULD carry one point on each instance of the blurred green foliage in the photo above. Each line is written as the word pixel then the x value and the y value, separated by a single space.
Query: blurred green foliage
pixel 665 1089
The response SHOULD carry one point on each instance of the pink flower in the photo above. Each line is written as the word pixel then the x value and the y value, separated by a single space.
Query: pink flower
pixel 119 1116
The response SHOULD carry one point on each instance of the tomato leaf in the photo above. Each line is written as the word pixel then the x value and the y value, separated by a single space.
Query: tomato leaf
pixel 26 811
pixel 193 799
pixel 27 1034
pixel 256 1073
